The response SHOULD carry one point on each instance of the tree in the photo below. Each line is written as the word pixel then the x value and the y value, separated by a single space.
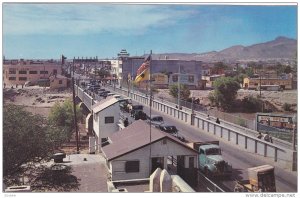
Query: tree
pixel 219 66
pixel 61 117
pixel 225 92
pixel 184 91
pixel 26 138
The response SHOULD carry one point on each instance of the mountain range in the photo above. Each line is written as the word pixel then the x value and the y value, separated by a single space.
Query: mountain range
pixel 281 48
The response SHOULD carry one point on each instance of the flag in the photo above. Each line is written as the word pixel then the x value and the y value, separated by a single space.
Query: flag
pixel 143 73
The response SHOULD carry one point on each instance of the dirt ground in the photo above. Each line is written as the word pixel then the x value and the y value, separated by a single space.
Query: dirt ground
pixel 35 99
pixel 277 98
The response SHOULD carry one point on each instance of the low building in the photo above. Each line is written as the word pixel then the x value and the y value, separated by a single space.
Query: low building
pixel 58 82
pixel 254 83
pixel 210 79
pixel 138 150
pixel 21 71
pixel 106 115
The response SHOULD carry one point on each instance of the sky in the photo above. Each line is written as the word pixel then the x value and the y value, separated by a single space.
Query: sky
pixel 46 31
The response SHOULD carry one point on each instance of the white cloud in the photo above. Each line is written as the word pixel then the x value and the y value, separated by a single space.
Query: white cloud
pixel 92 18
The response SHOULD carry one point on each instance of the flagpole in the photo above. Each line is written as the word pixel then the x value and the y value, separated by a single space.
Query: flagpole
pixel 150 94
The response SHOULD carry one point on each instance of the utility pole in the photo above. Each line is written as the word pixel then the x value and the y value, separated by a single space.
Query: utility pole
pixel 74 109
pixel 179 87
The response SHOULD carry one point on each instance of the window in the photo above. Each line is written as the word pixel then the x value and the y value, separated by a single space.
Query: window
pixel 43 72
pixel 12 78
pixel 109 120
pixel 201 151
pixel 60 82
pixel 12 71
pixel 32 72
pixel 22 72
pixel 164 141
pixel 191 162
pixel 132 166
pixel 54 71
pixel 22 78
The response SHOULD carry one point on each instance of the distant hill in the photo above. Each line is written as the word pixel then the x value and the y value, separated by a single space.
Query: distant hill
pixel 280 48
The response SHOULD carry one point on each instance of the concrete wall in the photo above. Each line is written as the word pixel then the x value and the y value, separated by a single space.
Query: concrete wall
pixel 102 129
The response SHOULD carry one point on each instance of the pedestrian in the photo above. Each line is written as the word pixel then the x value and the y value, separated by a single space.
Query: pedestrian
pixel 208 118
pixel 267 137
pixel 22 86
pixel 126 122
pixel 218 121
pixel 4 85
pixel 16 85
pixel 259 136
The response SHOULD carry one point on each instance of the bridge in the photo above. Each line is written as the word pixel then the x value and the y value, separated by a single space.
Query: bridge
pixel 279 151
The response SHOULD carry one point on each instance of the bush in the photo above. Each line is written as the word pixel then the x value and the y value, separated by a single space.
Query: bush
pixel 251 104
pixel 287 107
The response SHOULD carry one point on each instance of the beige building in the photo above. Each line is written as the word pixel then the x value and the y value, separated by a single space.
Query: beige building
pixel 58 81
pixel 254 83
pixel 20 71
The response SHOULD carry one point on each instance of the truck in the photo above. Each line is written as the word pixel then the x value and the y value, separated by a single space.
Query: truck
pixel 211 162
pixel 261 179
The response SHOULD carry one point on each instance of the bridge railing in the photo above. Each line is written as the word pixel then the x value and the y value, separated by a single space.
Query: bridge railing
pixel 244 138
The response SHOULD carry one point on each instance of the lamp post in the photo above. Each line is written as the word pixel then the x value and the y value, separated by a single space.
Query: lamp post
pixel 294 166
pixel 179 87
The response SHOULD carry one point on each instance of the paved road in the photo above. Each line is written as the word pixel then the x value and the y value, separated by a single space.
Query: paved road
pixel 240 159
pixel 286 181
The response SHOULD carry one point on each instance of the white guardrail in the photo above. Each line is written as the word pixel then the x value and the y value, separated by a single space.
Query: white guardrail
pixel 279 151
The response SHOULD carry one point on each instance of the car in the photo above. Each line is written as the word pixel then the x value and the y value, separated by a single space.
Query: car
pixel 135 108
pixel 155 120
pixel 167 128
pixel 171 130
pixel 28 83
pixel 104 93
pixel 140 115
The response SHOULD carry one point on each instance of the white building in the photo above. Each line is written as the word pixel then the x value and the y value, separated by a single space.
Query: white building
pixel 106 115
pixel 116 69
pixel 132 154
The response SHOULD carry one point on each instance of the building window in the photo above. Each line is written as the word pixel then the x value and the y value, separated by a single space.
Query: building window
pixel 54 71
pixel 22 78
pixel 22 72
pixel 191 162
pixel 109 120
pixel 12 71
pixel 32 72
pixel 43 72
pixel 60 82
pixel 164 141
pixel 132 166
pixel 12 78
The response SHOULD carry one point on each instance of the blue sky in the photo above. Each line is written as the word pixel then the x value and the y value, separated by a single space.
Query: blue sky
pixel 45 31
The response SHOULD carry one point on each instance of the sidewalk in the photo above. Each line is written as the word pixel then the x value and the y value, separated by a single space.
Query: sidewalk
pixel 91 174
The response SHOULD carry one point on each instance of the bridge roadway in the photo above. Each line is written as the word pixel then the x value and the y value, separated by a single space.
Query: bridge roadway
pixel 239 158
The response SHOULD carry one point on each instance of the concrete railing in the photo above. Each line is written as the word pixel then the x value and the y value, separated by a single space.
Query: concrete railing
pixel 230 133
pixel 279 151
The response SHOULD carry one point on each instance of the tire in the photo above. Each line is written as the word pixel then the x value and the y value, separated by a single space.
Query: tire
pixel 207 173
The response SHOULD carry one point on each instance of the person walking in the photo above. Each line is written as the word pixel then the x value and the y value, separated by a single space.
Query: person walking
pixel 126 122
pixel 218 121
pixel 259 136
pixel 207 117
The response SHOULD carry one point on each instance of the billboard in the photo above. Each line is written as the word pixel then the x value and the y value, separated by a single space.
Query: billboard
pixel 187 79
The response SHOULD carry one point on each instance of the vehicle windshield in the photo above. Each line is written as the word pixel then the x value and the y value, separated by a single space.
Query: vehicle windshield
pixel 158 119
pixel 213 151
